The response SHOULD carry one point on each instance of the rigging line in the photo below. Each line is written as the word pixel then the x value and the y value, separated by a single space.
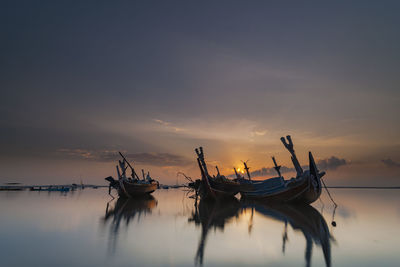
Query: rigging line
pixel 329 194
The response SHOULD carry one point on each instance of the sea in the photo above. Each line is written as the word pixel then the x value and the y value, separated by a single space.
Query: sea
pixel 88 227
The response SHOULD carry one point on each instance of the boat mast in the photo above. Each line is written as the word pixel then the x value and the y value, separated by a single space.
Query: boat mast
pixel 218 174
pixel 247 169
pixel 144 178
pixel 237 175
pixel 200 156
pixel 277 168
pixel 130 166
pixel 123 168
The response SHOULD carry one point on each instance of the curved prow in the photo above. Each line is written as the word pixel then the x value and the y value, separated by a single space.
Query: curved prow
pixel 313 167
pixel 315 175
pixel 237 175
pixel 276 167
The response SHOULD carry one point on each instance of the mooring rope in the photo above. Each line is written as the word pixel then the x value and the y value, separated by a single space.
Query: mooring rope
pixel 336 205
pixel 329 194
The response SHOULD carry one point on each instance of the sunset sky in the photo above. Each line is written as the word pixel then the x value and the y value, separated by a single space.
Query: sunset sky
pixel 81 80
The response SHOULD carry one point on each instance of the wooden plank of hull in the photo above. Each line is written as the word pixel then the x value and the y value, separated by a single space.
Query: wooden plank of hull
pixel 218 190
pixel 134 189
pixel 223 194
pixel 214 188
pixel 308 196
pixel 229 187
pixel 300 193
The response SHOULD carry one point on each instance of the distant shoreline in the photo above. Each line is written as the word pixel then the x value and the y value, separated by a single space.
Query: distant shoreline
pixel 7 187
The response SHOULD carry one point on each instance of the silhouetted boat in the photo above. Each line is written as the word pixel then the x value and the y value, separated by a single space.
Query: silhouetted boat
pixel 305 188
pixel 302 218
pixel 215 215
pixel 131 186
pixel 50 188
pixel 214 187
pixel 12 187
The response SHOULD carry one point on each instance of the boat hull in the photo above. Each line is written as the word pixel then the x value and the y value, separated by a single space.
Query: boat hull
pixel 135 189
pixel 298 192
pixel 214 189
pixel 228 188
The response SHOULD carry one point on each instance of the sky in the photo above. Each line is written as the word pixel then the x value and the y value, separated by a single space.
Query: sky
pixel 82 80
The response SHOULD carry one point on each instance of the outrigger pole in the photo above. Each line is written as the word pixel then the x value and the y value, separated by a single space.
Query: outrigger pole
pixel 200 156
pixel 277 168
pixel 237 175
pixel 247 169
pixel 130 166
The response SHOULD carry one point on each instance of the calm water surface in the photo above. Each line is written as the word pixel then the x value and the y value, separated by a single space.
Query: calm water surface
pixel 87 228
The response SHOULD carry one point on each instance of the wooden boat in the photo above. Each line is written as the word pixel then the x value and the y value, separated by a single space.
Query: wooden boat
pixel 12 187
pixel 305 188
pixel 214 187
pixel 50 188
pixel 131 186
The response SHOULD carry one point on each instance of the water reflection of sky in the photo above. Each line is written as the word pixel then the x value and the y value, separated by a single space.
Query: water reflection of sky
pixel 78 229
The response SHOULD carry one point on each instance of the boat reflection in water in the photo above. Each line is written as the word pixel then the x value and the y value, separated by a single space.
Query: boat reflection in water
pixel 125 210
pixel 303 218
pixel 212 214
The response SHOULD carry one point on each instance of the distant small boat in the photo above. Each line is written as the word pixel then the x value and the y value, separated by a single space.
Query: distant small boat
pixel 131 186
pixel 11 187
pixel 305 188
pixel 49 188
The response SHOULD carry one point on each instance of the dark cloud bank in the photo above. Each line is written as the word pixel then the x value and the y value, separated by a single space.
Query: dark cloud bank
pixel 155 159
pixel 167 159
pixel 331 163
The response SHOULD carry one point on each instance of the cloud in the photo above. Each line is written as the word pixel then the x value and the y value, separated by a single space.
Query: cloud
pixel 162 122
pixel 391 163
pixel 265 171
pixel 217 128
pixel 331 163
pixel 270 171
pixel 168 125
pixel 76 153
pixel 159 159
pixel 258 133
pixel 154 159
